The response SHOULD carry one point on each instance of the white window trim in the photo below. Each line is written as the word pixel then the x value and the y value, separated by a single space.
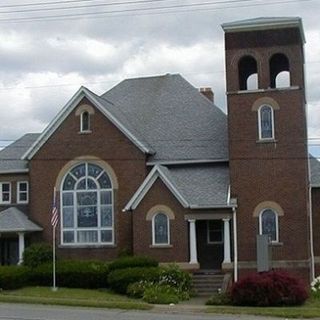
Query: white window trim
pixel 1 191
pixel 277 223
pixel 81 122
pixel 259 122
pixel 18 192
pixel 208 236
pixel 76 229
pixel 154 244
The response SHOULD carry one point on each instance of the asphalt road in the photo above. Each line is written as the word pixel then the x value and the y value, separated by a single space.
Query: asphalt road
pixel 40 312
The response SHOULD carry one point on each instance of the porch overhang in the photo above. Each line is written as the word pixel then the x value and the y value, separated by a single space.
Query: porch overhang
pixel 12 220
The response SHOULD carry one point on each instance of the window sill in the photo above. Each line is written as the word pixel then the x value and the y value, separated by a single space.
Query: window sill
pixel 85 132
pixel 86 246
pixel 262 141
pixel 276 244
pixel 161 246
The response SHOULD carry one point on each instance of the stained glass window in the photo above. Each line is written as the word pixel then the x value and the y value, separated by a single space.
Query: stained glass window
pixel 266 122
pixel 87 206
pixel 269 224
pixel 161 229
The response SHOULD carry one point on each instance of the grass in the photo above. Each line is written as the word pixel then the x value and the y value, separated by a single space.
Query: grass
pixel 311 309
pixel 72 297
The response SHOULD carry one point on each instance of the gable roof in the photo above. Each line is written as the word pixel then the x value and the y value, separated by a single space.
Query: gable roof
pixel 314 171
pixel 14 220
pixel 102 105
pixel 11 156
pixel 195 187
pixel 173 117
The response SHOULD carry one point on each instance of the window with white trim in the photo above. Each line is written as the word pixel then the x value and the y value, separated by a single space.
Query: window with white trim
pixel 160 229
pixel 85 121
pixel 22 192
pixel 87 206
pixel 266 122
pixel 268 224
pixel 5 188
pixel 214 232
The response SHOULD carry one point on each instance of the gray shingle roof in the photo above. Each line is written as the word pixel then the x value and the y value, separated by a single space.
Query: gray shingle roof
pixel 171 116
pixel 194 186
pixel 14 220
pixel 202 185
pixel 315 171
pixel 10 156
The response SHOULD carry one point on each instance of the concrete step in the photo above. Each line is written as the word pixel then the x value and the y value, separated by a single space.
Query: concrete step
pixel 206 284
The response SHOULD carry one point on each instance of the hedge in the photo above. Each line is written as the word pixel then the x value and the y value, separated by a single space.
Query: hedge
pixel 37 254
pixel 119 280
pixel 14 277
pixel 132 262
pixel 73 274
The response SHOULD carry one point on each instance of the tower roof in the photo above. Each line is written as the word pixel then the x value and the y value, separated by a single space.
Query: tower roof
pixel 265 23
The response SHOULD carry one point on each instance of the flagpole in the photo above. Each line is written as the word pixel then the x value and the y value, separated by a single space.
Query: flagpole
pixel 54 288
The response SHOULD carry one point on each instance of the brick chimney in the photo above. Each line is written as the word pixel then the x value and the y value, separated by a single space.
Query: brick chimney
pixel 208 93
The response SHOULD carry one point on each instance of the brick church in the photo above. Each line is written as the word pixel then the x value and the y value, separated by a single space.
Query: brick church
pixel 152 167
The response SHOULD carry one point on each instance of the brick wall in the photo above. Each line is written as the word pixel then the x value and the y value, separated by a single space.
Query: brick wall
pixel 105 142
pixel 274 171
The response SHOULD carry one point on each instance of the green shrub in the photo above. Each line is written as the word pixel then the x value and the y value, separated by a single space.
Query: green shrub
pixel 160 294
pixel 73 274
pixel 37 254
pixel 13 277
pixel 172 275
pixel 219 299
pixel 137 289
pixel 132 262
pixel 119 280
pixel 315 288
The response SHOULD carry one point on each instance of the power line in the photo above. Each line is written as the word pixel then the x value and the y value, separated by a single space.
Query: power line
pixel 96 5
pixel 98 14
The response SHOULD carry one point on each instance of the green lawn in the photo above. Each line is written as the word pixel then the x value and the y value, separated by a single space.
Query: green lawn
pixel 72 297
pixel 311 309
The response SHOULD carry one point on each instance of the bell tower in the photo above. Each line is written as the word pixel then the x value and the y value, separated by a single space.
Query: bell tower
pixel 268 139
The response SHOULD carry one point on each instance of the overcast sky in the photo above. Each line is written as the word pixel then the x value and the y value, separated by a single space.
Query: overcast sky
pixel 44 62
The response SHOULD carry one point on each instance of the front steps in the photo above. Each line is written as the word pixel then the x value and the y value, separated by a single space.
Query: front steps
pixel 206 283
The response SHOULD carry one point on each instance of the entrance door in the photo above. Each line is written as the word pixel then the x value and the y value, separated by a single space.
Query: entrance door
pixel 9 251
pixel 210 243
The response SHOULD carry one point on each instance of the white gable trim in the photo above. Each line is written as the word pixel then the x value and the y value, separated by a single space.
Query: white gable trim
pixel 66 110
pixel 154 174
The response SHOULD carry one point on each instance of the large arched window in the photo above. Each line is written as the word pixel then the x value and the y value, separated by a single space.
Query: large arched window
pixel 266 122
pixel 160 229
pixel 87 206
pixel 268 224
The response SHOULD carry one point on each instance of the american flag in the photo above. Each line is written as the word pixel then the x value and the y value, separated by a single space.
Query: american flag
pixel 54 216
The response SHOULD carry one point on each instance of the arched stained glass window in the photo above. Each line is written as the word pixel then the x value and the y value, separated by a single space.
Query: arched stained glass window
pixel 160 229
pixel 85 121
pixel 269 224
pixel 266 122
pixel 87 206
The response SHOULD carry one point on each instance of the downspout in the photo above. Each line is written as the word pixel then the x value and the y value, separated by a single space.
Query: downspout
pixel 235 245
pixel 312 266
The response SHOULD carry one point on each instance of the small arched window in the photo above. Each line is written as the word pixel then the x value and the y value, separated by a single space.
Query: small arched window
pixel 248 73
pixel 266 122
pixel 268 224
pixel 279 71
pixel 160 229
pixel 85 121
pixel 87 206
